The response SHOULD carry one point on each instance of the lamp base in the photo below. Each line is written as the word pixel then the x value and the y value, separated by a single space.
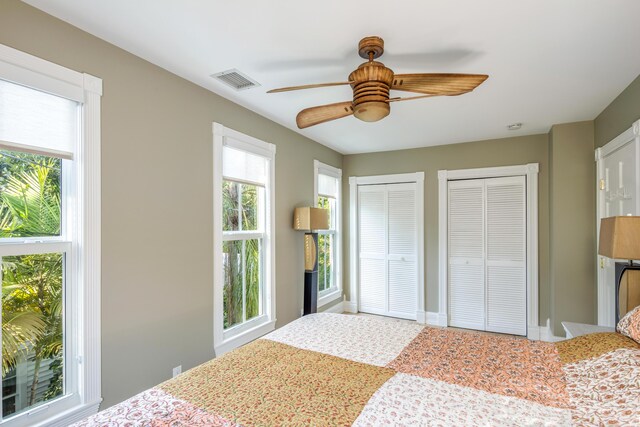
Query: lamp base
pixel 310 292
pixel 310 304
pixel 621 268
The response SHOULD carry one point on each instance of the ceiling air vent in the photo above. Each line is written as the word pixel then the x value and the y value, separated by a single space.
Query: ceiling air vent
pixel 236 79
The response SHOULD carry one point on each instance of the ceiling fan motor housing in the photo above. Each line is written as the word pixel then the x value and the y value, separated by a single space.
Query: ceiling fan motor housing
pixel 371 84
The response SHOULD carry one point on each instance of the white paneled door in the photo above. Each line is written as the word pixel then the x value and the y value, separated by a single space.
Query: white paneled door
pixel 388 264
pixel 618 179
pixel 487 254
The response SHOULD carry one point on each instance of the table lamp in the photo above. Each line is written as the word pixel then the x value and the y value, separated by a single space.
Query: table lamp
pixel 310 219
pixel 620 239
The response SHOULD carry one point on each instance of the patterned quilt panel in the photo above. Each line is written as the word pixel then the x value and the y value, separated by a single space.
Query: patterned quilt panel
pixel 341 370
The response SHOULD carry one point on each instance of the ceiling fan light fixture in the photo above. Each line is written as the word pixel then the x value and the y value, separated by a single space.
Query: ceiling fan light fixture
pixel 371 111
pixel 371 83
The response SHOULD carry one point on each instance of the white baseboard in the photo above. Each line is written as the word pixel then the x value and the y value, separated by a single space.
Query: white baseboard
pixel 436 319
pixel 350 307
pixel 421 317
pixel 533 333
pixel 338 308
pixel 546 334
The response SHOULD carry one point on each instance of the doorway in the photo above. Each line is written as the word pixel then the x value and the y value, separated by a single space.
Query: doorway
pixel 515 178
pixel 387 261
pixel 618 187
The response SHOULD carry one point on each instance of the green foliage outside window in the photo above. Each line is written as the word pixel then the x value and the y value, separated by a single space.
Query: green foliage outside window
pixel 32 285
pixel 325 247
pixel 241 258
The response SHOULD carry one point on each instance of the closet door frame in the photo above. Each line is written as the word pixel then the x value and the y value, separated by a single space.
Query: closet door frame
pixel 530 171
pixel 354 182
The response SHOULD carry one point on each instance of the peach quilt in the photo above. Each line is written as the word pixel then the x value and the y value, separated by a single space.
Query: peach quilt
pixel 341 370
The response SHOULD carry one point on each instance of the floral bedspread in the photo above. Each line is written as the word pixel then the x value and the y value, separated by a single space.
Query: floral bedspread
pixel 334 369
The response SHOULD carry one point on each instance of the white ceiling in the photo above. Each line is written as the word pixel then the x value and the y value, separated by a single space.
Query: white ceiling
pixel 549 61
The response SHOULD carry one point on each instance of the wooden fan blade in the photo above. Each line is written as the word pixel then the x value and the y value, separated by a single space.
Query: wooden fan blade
pixel 410 98
pixel 324 113
pixel 438 84
pixel 287 89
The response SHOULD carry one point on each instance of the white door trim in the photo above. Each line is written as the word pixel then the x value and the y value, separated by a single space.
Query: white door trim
pixel 531 172
pixel 354 181
pixel 606 307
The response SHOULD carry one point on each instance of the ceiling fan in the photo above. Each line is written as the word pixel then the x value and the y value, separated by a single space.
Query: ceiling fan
pixel 371 83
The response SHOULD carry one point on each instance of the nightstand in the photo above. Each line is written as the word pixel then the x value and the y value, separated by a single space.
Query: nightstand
pixel 576 329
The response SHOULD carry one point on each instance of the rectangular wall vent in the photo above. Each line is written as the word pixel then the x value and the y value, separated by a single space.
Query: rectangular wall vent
pixel 236 79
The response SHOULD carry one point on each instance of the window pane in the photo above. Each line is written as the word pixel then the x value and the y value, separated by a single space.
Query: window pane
pixel 328 203
pixel 253 277
pixel 325 264
pixel 325 246
pixel 321 262
pixel 30 201
pixel 251 195
pixel 240 206
pixel 242 260
pixel 32 330
pixel 230 206
pixel 232 294
pixel 329 261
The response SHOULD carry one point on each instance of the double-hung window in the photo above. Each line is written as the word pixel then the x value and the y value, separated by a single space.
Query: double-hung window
pixel 328 182
pixel 244 306
pixel 49 241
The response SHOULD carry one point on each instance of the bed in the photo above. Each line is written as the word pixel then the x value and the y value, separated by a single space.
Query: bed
pixel 335 369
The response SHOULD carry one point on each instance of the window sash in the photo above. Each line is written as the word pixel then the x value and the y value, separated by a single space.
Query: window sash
pixel 261 280
pixel 70 361
pixel 67 170
pixel 34 248
pixel 242 235
pixel 261 208
pixel 333 212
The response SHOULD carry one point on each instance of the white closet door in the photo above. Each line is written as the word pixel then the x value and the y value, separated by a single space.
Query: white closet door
pixel 506 255
pixel 402 260
pixel 388 274
pixel 373 236
pixel 466 254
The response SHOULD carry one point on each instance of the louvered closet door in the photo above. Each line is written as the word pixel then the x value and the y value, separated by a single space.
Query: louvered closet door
pixel 506 255
pixel 466 254
pixel 402 270
pixel 388 270
pixel 372 207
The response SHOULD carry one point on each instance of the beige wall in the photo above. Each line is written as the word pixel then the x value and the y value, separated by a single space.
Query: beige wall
pixel 157 249
pixel 619 115
pixel 572 224
pixel 567 269
pixel 500 152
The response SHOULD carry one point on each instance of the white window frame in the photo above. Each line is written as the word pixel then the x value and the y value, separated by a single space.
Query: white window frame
pixel 81 181
pixel 226 340
pixel 334 293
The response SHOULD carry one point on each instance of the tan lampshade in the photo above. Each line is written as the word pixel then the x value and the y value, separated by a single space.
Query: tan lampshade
pixel 620 237
pixel 310 219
